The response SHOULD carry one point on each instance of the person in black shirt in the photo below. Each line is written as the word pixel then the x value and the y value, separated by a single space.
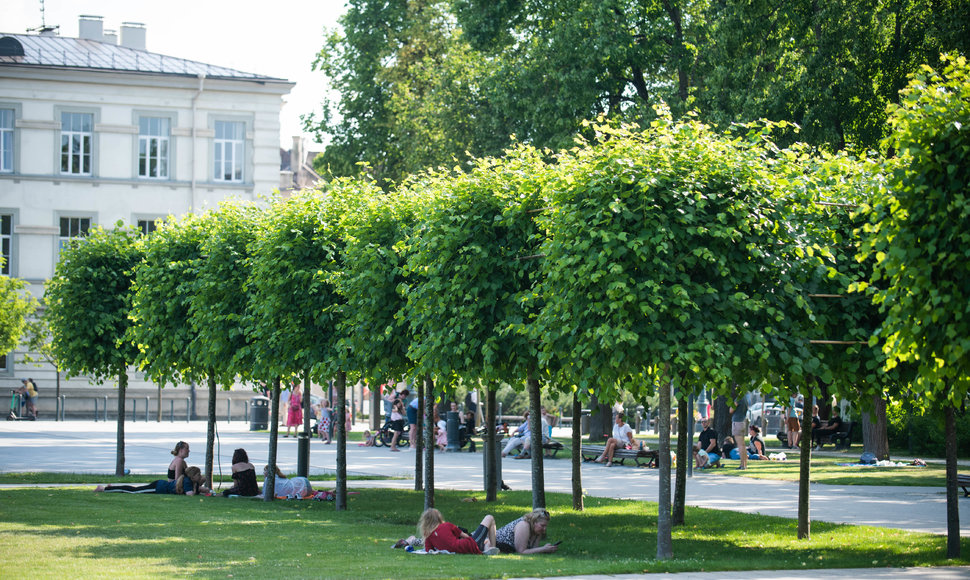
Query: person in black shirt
pixel 708 441
pixel 833 426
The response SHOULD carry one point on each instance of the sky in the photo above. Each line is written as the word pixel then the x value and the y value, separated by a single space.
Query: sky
pixel 278 39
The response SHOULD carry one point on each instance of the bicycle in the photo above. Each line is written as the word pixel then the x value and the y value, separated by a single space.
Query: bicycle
pixel 385 435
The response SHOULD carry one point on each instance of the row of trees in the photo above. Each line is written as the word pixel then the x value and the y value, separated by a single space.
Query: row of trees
pixel 675 255
pixel 418 83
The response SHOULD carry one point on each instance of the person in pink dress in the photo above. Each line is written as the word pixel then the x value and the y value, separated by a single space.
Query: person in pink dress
pixel 294 410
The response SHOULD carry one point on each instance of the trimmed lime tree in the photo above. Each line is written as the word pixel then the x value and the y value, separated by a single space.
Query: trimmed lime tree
pixel 921 243
pixel 662 261
pixel 472 296
pixel 165 288
pixel 89 308
pixel 373 332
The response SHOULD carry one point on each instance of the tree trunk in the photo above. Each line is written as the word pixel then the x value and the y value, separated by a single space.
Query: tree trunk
pixel 120 444
pixel 665 548
pixel 600 418
pixel 428 435
pixel 417 440
pixel 952 497
pixel 269 484
pixel 535 425
pixel 804 471
pixel 576 455
pixel 341 431
pixel 875 436
pixel 684 456
pixel 492 455
pixel 210 432
pixel 722 418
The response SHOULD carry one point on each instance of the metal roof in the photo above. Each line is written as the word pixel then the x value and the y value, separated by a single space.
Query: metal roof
pixel 58 51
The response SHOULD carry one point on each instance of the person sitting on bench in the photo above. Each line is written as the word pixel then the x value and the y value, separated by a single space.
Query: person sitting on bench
pixel 833 426
pixel 622 438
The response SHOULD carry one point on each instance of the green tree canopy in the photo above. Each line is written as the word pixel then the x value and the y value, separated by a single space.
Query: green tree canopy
pixel 89 303
pixel 17 305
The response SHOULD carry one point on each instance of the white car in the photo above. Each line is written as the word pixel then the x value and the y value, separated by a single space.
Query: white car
pixel 770 409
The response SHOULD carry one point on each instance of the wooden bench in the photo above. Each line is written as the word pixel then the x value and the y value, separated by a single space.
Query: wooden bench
pixel 549 449
pixel 591 452
pixel 964 482
pixel 842 438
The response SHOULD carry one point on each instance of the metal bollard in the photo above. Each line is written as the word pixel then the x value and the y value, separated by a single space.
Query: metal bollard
pixel 146 408
pixel 228 410
pixel 106 408
pixel 63 404
pixel 171 410
pixel 95 409
pixel 134 410
pixel 246 411
pixel 188 409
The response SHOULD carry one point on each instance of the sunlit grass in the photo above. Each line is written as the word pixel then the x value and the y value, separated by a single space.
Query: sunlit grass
pixel 76 533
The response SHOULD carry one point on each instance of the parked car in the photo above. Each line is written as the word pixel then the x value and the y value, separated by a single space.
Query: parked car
pixel 757 415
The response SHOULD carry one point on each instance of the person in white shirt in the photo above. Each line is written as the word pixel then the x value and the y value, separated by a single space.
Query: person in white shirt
pixel 622 438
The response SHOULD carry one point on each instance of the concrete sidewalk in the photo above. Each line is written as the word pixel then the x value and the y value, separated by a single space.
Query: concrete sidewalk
pixel 89 447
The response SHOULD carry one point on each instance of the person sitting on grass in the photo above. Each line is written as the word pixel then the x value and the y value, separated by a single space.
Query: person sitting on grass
pixel 701 458
pixel 441 535
pixel 191 483
pixel 622 439
pixel 756 445
pixel 243 476
pixel 522 536
pixel 177 467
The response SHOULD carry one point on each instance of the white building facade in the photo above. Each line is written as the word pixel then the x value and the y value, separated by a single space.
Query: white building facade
pixel 93 132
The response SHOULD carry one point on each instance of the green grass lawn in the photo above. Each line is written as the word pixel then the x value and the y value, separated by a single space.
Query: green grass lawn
pixel 72 532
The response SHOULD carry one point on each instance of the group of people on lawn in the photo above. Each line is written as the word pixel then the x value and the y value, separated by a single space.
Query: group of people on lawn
pixel 188 480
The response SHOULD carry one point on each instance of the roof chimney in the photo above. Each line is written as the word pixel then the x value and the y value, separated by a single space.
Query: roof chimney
pixel 111 36
pixel 133 35
pixel 90 27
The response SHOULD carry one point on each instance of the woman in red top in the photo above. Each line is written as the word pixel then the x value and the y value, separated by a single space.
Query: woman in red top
pixel 441 535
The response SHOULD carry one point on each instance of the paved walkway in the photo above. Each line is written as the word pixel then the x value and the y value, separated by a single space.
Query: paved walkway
pixel 89 447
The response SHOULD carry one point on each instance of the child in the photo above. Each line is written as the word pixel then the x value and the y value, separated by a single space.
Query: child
pixel 323 421
pixel 368 439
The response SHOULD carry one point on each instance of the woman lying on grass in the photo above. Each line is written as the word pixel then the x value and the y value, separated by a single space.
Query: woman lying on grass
pixel 191 483
pixel 441 535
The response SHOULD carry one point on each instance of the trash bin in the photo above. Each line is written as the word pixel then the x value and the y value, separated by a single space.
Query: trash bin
pixel 259 414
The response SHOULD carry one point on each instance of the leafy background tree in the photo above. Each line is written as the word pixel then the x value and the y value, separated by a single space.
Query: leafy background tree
pixel 17 306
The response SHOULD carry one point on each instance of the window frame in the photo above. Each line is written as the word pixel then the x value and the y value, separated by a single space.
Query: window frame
pixel 61 240
pixel 9 266
pixel 59 112
pixel 170 142
pixel 14 139
pixel 242 156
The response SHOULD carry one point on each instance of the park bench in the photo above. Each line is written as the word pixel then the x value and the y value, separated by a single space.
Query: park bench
pixel 591 452
pixel 549 449
pixel 964 482
pixel 842 439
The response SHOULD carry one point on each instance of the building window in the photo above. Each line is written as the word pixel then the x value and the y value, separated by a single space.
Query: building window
pixel 147 226
pixel 230 136
pixel 73 227
pixel 153 137
pixel 3 362
pixel 76 142
pixel 6 241
pixel 6 140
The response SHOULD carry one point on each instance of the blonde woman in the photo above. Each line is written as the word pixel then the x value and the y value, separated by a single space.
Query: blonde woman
pixel 522 536
pixel 441 535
